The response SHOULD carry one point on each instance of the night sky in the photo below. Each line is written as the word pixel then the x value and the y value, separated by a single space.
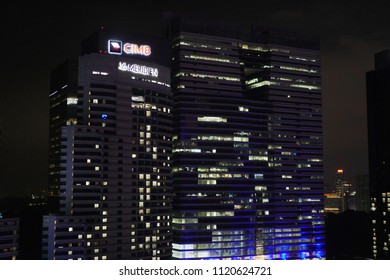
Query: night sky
pixel 38 35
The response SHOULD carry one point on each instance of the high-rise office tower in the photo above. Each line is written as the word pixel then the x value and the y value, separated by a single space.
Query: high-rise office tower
pixel 247 154
pixel 110 151
pixel 378 113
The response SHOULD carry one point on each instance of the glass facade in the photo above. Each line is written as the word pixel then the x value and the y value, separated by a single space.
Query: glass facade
pixel 247 154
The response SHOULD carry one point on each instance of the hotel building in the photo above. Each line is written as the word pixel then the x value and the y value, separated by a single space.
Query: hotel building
pixel 110 151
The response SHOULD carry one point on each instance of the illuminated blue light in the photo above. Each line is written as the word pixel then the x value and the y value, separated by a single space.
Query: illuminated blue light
pixel 284 256
pixel 303 255
pixel 104 116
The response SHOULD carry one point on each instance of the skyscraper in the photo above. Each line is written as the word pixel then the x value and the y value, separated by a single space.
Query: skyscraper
pixel 247 154
pixel 110 151
pixel 378 86
pixel 344 190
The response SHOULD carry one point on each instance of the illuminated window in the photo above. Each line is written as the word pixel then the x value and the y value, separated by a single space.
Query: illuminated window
pixel 211 119
pixel 138 98
pixel 262 84
pixel 185 150
pixel 305 86
pixel 207 182
pixel 260 188
pixel 259 176
pixel 260 158
pixel 71 121
pixel 71 100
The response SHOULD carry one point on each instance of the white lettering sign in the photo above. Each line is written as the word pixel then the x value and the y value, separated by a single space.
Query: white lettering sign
pixel 138 69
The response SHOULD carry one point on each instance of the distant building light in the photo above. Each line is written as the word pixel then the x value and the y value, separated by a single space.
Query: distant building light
pixel 104 116
pixel 340 171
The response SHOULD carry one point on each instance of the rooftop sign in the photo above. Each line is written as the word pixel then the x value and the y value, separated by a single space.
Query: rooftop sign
pixel 138 69
pixel 117 47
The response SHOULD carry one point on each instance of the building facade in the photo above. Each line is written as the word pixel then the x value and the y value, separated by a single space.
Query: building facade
pixel 247 143
pixel 9 238
pixel 64 238
pixel 378 86
pixel 110 157
pixel 228 167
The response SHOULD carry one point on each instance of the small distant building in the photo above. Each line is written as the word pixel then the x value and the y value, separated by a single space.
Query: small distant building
pixel 9 238
pixel 332 202
pixel 341 197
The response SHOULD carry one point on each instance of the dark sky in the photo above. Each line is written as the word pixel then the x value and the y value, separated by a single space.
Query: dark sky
pixel 39 35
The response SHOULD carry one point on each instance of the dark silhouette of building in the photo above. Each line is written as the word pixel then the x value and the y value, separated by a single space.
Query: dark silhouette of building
pixel 378 99
pixel 362 187
pixel 348 235
pixel 27 214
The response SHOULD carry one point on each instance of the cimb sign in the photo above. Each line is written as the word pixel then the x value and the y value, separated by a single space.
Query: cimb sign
pixel 117 47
